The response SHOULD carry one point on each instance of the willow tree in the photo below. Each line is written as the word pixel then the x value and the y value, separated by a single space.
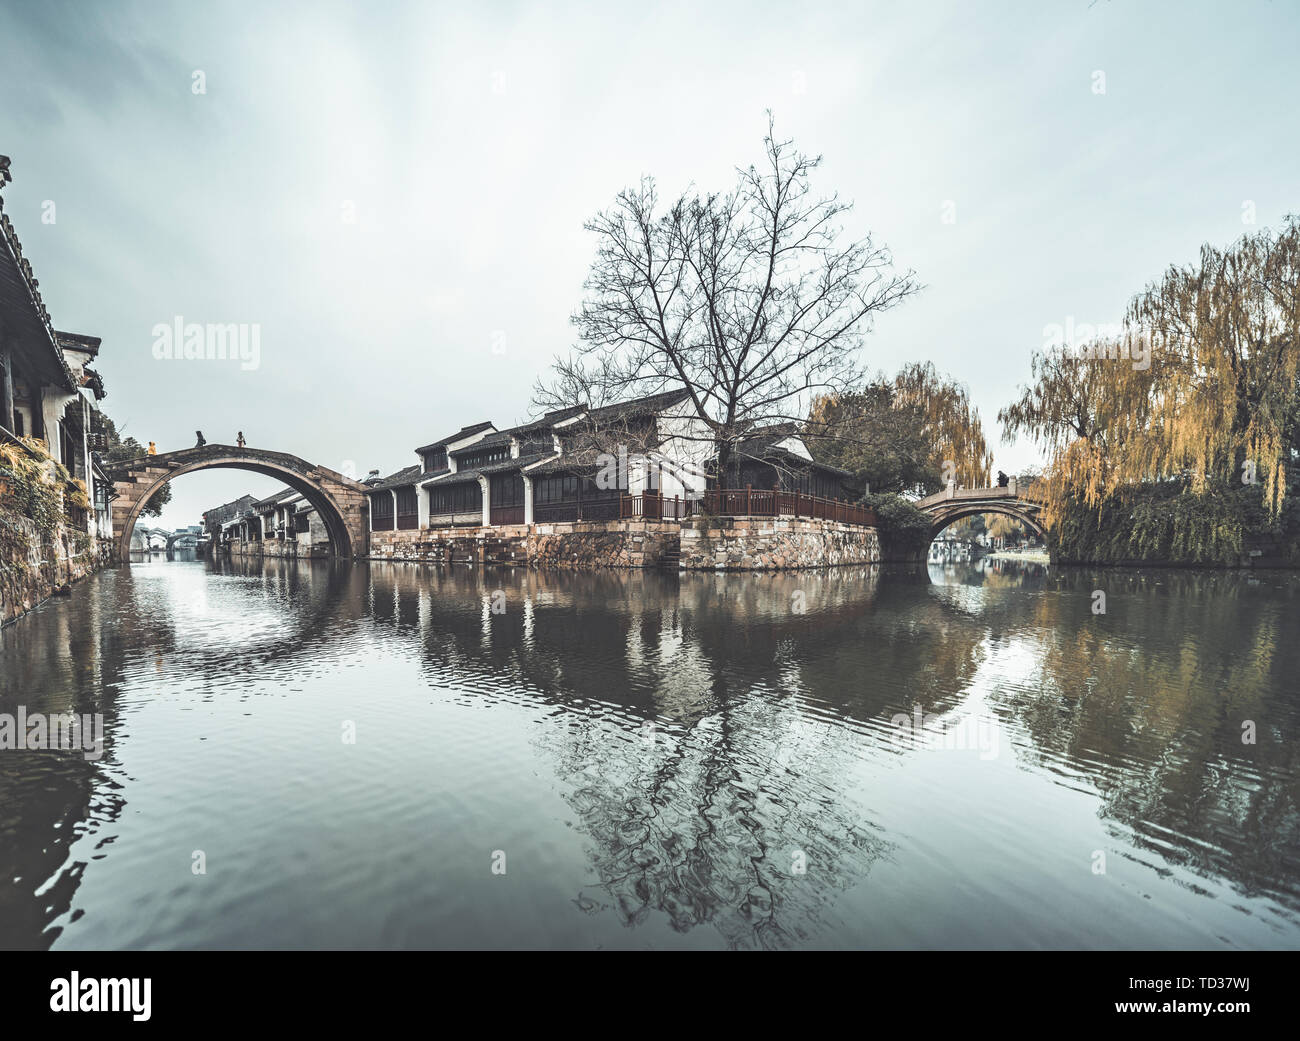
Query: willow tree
pixel 952 424
pixel 1227 333
pixel 1200 388
pixel 752 301
pixel 1073 411
pixel 905 434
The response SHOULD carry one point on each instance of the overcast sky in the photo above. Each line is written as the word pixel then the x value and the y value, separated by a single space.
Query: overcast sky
pixel 472 140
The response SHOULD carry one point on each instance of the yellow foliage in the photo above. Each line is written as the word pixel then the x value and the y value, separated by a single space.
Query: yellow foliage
pixel 1216 401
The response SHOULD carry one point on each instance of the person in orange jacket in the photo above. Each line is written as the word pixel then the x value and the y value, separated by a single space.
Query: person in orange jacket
pixel 153 449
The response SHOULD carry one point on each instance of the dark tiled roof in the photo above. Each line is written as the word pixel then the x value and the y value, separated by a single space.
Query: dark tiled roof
pixel 463 432
pixel 226 511
pixel 607 414
pixel 558 415
pixel 799 461
pixel 78 342
pixel 505 466
pixel 763 443
pixel 272 500
pixel 407 475
pixel 582 462
pixel 647 405
pixel 459 477
pixel 495 438
pixel 765 439
pixel 27 320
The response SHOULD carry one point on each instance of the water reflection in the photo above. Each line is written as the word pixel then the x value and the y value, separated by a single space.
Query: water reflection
pixel 700 760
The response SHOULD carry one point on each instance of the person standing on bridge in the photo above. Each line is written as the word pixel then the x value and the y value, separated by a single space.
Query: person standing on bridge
pixel 201 439
pixel 1003 479
pixel 153 449
pixel 239 439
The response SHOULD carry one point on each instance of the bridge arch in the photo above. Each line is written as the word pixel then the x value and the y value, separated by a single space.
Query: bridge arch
pixel 953 504
pixel 1025 517
pixel 339 500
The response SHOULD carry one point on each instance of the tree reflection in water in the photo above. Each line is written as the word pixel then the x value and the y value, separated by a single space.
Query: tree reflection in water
pixel 707 732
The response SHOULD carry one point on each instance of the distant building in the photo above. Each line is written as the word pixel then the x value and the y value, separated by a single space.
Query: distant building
pixel 281 525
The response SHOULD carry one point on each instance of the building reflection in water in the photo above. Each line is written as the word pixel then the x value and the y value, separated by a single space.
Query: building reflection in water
pixel 703 729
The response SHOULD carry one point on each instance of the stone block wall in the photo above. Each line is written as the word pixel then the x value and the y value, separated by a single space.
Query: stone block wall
pixel 33 568
pixel 774 544
pixel 476 545
pixel 707 544
pixel 557 546
pixel 599 544
pixel 300 548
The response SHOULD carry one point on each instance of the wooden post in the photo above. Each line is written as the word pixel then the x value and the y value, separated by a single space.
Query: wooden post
pixel 7 392
pixel 749 489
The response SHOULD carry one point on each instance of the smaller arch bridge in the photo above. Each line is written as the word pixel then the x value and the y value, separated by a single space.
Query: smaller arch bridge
pixel 340 501
pixel 953 504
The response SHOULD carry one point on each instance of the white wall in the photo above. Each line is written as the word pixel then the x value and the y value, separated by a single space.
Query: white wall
pixel 686 445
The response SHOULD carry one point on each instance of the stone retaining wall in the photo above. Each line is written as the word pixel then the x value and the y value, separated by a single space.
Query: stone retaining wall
pixel 709 544
pixel 557 546
pixel 33 569
pixel 774 544
pixel 594 544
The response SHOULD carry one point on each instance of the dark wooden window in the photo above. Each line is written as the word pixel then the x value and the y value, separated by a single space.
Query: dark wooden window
pixel 466 497
pixel 568 497
pixel 507 498
pixel 407 509
pixel 824 485
pixel 536 444
pixel 435 460
pixel 555 488
pixel 485 457
pixel 507 489
pixel 760 475
pixel 381 511
pixel 302 522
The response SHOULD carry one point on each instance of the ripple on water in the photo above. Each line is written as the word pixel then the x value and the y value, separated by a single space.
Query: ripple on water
pixel 655 760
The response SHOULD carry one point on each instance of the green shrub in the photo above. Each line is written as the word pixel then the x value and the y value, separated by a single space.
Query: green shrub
pixel 903 528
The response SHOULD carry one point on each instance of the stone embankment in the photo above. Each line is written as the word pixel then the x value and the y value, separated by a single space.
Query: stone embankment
pixel 697 544
pixel 34 567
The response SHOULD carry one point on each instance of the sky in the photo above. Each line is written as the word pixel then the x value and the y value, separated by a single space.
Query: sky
pixel 394 194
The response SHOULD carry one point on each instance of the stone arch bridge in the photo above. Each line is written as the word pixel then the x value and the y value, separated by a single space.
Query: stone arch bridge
pixel 953 504
pixel 340 501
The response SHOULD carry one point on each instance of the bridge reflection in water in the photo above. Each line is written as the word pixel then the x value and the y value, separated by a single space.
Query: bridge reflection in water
pixel 710 760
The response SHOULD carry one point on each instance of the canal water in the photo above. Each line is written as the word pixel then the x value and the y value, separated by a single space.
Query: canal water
pixel 393 756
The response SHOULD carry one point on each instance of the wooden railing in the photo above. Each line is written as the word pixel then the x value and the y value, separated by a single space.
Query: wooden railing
pixel 745 502
pixel 653 506
pixel 408 521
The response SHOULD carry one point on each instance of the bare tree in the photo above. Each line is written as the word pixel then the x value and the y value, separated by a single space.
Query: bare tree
pixel 747 300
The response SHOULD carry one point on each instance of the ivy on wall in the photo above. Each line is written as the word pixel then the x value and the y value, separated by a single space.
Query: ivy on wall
pixel 40 486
